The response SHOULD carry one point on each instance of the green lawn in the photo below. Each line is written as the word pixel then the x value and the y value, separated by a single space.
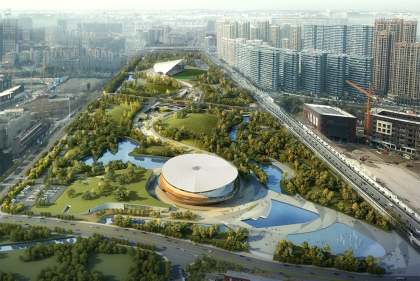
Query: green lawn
pixel 117 112
pixel 194 122
pixel 149 150
pixel 114 266
pixel 188 73
pixel 160 88
pixel 138 195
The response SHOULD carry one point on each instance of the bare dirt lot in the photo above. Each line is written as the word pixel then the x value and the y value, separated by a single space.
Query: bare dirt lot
pixel 79 85
pixel 391 170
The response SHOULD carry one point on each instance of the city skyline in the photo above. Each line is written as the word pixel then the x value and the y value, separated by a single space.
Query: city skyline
pixel 163 5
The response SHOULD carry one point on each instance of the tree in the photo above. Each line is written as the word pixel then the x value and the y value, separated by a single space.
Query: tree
pixel 188 267
pixel 122 193
pixel 88 86
pixel 168 269
pixel 71 192
pixel 327 247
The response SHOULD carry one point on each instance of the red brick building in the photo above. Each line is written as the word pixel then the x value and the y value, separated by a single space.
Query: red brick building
pixel 332 122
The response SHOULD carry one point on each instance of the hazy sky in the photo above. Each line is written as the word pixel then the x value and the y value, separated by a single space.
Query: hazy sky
pixel 354 5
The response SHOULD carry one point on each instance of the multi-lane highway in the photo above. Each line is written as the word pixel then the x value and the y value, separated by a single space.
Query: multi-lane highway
pixel 181 251
pixel 337 161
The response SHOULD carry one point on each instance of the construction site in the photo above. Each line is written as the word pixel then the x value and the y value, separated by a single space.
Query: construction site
pixel 391 149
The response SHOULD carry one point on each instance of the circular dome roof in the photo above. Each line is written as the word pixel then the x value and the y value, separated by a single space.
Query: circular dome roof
pixel 198 172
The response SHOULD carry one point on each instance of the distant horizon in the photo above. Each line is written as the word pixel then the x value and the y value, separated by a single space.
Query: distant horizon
pixel 216 5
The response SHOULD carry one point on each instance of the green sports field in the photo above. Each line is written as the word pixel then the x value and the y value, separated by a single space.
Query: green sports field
pixel 188 73
pixel 194 122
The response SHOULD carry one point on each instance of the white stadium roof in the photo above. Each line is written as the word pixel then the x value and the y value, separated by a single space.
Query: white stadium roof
pixel 198 172
pixel 166 66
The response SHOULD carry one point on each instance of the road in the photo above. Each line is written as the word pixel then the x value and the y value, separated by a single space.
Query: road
pixel 335 160
pixel 171 248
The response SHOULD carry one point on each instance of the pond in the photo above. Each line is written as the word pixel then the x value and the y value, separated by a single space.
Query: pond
pixel 125 146
pixel 274 176
pixel 341 238
pixel 130 78
pixel 234 132
pixel 25 245
pixel 283 214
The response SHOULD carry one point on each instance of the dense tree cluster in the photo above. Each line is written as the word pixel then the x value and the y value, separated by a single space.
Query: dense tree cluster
pixel 209 265
pixel 16 233
pixel 188 215
pixel 7 276
pixel 233 242
pixel 75 257
pixel 286 252
pixel 123 221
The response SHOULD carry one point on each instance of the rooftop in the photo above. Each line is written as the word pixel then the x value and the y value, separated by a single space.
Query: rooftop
pixel 167 66
pixel 9 91
pixel 326 110
pixel 396 115
pixel 198 172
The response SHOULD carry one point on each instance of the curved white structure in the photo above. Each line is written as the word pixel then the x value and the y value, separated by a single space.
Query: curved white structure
pixel 170 68
pixel 198 173
pixel 198 179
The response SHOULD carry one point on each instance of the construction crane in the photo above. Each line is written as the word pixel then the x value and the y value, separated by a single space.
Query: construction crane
pixel 368 121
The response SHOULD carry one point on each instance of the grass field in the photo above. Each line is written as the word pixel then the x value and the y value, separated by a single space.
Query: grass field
pixel 113 266
pixel 149 150
pixel 117 112
pixel 194 122
pixel 189 72
pixel 160 88
pixel 138 195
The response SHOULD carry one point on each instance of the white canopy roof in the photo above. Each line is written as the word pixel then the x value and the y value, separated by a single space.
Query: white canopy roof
pixel 166 66
pixel 198 172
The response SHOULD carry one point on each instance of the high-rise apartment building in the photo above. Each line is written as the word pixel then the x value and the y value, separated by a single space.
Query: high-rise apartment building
pixel 264 30
pixel 285 31
pixel 243 29
pixel 285 43
pixel 269 68
pixel 254 33
pixel 313 66
pixel 10 36
pixel 386 33
pixel 359 40
pixel 275 36
pixel 336 38
pixel 309 37
pixel 405 73
pixel 289 70
pixel 359 72
pixel 220 33
pixel 295 42
pixel 62 25
pixel 336 74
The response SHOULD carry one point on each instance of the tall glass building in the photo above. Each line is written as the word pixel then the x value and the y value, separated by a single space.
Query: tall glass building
pixel 313 71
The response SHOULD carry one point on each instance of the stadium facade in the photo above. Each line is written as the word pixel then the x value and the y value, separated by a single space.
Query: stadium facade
pixel 198 179
pixel 170 68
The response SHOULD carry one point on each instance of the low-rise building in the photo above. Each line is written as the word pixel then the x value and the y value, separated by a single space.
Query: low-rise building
pixel 11 97
pixel 332 122
pixel 395 130
pixel 17 131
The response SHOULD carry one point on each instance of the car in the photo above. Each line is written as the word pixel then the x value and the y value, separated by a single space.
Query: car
pixel 163 247
pixel 196 256
pixel 241 256
pixel 72 224
pixel 248 259
pixel 183 250
pixel 144 232
pixel 336 273
pixel 312 273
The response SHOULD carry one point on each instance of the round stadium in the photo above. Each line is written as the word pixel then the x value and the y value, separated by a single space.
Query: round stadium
pixel 198 179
